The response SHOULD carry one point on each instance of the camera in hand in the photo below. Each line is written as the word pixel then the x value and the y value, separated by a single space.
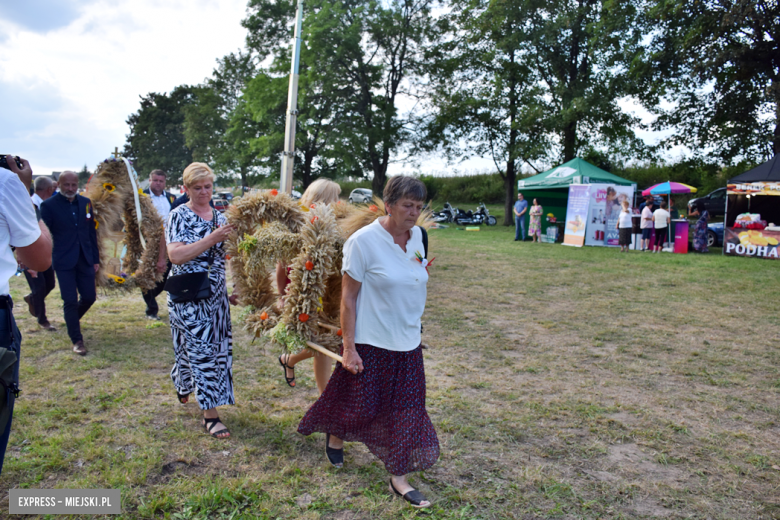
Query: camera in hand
pixel 4 162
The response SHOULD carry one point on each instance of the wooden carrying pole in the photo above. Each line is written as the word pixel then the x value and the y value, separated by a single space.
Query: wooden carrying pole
pixel 325 351
pixel 329 327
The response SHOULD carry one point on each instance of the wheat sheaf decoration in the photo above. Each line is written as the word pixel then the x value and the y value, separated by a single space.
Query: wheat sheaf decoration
pixel 112 194
pixel 273 228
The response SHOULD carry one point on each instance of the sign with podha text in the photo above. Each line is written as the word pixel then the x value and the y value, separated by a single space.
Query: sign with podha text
pixel 750 242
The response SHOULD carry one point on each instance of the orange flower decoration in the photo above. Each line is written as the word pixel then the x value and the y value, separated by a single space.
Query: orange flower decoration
pixel 309 265
pixel 314 218
pixel 227 257
pixel 96 224
pixel 274 192
pixel 312 205
pixel 264 316
pixel 373 208
pixel 338 332
pixel 303 317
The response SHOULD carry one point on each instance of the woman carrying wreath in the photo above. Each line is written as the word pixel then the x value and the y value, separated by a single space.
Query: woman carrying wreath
pixel 327 192
pixel 202 335
pixel 377 396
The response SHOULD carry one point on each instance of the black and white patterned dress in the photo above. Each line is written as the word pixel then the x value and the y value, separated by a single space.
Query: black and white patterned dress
pixel 202 334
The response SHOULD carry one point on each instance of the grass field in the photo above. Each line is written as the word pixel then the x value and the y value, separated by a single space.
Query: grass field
pixel 563 383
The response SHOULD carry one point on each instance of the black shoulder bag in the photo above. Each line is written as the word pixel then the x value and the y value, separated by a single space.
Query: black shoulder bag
pixel 424 240
pixel 192 287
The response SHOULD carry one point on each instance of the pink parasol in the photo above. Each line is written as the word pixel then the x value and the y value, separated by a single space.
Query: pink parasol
pixel 669 187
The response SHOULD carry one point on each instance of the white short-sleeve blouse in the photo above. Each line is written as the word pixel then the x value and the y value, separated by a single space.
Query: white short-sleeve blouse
pixel 391 299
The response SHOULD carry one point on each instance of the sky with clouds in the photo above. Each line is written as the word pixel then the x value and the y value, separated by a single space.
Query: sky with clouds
pixel 73 70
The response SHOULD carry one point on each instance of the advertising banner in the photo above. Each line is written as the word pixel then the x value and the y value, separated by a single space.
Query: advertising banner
pixel 595 234
pixel 749 242
pixel 615 197
pixel 754 188
pixel 576 215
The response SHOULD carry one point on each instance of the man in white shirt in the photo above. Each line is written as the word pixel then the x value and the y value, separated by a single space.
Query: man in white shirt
pixel 41 284
pixel 661 221
pixel 19 229
pixel 163 202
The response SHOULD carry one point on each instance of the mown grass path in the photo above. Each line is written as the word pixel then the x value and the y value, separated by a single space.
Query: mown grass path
pixel 563 383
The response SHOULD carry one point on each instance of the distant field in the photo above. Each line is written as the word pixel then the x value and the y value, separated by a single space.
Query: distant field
pixel 563 383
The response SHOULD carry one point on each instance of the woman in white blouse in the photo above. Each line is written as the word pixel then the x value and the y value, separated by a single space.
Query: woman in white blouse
pixel 377 396
pixel 624 226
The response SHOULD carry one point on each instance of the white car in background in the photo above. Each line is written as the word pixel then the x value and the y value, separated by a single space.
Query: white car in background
pixel 361 196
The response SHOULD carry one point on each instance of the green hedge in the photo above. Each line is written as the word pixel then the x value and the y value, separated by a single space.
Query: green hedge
pixel 487 188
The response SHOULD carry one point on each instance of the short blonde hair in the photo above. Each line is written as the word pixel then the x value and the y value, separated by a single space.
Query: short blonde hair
pixel 624 204
pixel 197 171
pixel 322 190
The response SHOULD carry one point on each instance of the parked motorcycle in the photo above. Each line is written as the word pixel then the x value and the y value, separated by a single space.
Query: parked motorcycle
pixel 447 214
pixel 479 217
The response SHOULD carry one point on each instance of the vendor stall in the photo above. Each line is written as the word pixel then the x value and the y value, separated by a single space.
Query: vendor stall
pixel 752 224
pixel 677 232
pixel 551 189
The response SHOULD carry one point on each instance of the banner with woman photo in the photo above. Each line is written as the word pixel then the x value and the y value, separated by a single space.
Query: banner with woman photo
pixel 615 196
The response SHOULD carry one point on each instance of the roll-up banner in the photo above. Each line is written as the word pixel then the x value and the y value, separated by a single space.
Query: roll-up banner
pixel 615 197
pixel 576 215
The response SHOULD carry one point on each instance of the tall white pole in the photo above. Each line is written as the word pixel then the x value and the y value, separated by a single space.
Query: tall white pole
pixel 288 157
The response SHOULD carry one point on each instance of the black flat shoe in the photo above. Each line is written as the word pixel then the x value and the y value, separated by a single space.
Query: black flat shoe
pixel 414 497
pixel 335 457
pixel 183 398
pixel 285 366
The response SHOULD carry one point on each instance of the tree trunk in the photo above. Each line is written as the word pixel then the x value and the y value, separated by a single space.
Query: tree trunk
pixel 509 192
pixel 378 183
pixel 244 181
pixel 308 158
pixel 569 141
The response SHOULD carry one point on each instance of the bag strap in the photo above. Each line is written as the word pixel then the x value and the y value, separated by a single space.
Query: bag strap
pixel 213 227
pixel 424 240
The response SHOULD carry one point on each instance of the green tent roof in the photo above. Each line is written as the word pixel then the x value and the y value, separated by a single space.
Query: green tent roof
pixel 576 171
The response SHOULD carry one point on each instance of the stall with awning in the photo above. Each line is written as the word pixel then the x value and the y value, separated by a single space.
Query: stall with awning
pixel 752 223
pixel 551 188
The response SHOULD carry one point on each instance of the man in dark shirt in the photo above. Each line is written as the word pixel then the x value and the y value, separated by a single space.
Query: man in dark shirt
pixel 41 283
pixel 75 256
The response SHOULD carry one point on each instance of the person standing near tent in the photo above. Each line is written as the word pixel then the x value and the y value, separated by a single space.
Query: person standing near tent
pixel 624 226
pixel 646 225
pixel 521 206
pixel 672 209
pixel 661 222
pixel 535 229
pixel 700 231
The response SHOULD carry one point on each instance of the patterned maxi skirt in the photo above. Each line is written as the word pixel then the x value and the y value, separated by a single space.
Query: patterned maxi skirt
pixel 383 407
pixel 203 347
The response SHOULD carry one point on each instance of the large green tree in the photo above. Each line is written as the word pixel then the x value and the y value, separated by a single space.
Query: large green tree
pixel 484 96
pixel 581 51
pixel 519 79
pixel 716 63
pixel 361 58
pixel 156 138
pixel 216 128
